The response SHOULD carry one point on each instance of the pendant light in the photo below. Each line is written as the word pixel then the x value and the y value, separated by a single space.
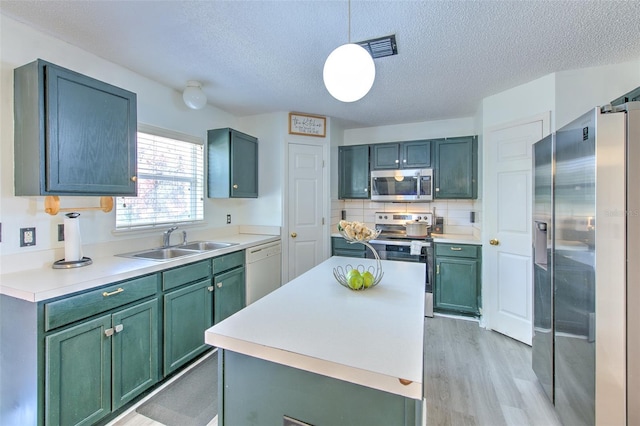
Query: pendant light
pixel 193 96
pixel 349 71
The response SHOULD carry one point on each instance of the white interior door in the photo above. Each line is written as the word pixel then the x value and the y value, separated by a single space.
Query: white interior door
pixel 305 211
pixel 507 277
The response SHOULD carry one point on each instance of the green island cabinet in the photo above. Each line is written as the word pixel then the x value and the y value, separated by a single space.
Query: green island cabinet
pixel 340 247
pixel 401 155
pixel 456 168
pixel 457 284
pixel 353 172
pixel 73 135
pixel 232 170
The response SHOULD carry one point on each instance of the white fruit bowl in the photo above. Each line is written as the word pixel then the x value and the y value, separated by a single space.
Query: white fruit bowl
pixel 341 273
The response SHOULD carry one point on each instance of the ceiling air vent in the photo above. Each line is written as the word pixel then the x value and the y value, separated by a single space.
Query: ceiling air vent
pixel 380 47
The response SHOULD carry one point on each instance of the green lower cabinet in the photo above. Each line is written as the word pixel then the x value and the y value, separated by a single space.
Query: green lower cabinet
pixel 135 352
pixel 97 366
pixel 340 247
pixel 188 312
pixel 457 283
pixel 229 296
pixel 78 374
pixel 258 392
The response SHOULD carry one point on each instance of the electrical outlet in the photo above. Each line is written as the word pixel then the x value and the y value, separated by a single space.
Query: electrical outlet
pixel 228 218
pixel 61 232
pixel 27 237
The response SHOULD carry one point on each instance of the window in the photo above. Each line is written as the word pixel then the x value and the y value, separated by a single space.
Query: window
pixel 170 181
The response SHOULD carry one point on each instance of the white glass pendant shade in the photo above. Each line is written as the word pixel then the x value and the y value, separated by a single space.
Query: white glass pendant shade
pixel 349 72
pixel 193 95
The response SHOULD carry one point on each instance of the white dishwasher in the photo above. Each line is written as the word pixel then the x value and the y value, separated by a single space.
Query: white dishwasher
pixel 262 264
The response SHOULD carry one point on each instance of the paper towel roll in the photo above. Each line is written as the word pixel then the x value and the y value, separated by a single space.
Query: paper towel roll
pixel 72 241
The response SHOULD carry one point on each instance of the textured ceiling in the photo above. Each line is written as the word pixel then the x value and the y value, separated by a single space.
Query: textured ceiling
pixel 263 56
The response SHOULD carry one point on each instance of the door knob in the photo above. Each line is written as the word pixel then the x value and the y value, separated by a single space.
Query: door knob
pixel 235 186
pixel 293 235
pixel 494 242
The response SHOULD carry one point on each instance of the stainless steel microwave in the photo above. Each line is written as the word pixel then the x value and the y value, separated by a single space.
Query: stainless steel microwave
pixel 408 185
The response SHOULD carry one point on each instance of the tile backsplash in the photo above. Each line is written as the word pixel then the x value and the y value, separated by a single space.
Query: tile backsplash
pixel 456 213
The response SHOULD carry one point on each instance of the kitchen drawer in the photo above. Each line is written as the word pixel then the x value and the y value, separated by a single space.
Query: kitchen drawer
pixel 74 308
pixel 228 261
pixel 456 250
pixel 185 274
pixel 340 243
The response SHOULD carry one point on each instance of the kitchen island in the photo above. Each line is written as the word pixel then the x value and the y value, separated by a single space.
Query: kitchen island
pixel 320 353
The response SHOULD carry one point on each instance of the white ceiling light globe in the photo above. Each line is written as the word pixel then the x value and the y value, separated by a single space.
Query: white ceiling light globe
pixel 193 96
pixel 349 72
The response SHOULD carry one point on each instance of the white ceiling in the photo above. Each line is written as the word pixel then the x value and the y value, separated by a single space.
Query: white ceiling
pixel 264 56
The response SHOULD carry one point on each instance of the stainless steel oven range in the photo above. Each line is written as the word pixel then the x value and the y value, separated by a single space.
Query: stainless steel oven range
pixel 394 244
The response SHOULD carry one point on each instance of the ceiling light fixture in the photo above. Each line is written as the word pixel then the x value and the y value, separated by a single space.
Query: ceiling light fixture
pixel 193 96
pixel 349 71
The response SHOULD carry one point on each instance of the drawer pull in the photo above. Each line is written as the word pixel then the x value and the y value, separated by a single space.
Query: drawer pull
pixel 405 382
pixel 119 290
pixel 210 288
pixel 456 248
pixel 219 284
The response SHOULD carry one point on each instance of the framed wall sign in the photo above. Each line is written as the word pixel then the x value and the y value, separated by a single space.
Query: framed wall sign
pixel 307 125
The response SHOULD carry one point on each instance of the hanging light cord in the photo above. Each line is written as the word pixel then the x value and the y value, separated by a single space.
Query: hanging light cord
pixel 349 24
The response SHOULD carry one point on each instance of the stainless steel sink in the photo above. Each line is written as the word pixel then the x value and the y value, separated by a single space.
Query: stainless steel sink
pixel 164 253
pixel 206 245
pixel 168 253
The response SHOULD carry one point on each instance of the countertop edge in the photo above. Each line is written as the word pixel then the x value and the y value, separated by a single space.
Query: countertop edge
pixel 335 370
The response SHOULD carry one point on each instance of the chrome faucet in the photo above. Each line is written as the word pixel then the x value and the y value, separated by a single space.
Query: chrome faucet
pixel 166 236
pixel 184 237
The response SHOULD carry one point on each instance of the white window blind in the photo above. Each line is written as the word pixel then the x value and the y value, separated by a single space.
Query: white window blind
pixel 170 181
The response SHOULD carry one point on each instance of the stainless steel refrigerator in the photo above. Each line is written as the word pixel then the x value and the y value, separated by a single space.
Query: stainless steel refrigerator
pixel 586 267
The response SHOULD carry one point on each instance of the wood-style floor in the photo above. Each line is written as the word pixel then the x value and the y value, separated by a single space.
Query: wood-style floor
pixel 472 377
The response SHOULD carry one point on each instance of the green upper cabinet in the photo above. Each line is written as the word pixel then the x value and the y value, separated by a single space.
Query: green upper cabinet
pixel 456 168
pixel 74 135
pixel 232 164
pixel 353 174
pixel 401 155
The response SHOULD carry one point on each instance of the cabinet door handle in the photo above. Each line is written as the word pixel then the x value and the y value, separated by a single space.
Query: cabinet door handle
pixel 118 328
pixel 456 248
pixel 437 189
pixel 210 288
pixel 397 161
pixel 108 332
pixel 119 290
pixel 438 269
pixel 134 178
pixel 404 161
pixel 366 189
pixel 219 284
pixel 235 186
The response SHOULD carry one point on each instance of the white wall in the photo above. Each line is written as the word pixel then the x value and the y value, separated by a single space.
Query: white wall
pixel 158 105
pixel 411 131
pixel 577 91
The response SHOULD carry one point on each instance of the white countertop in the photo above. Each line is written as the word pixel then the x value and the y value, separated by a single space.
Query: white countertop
pixel 372 337
pixel 44 283
pixel 439 238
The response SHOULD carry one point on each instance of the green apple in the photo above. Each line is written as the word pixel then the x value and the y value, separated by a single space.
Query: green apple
pixel 354 279
pixel 368 279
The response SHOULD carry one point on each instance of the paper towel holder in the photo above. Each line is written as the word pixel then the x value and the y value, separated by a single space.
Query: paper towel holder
pixel 67 264
pixel 52 205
